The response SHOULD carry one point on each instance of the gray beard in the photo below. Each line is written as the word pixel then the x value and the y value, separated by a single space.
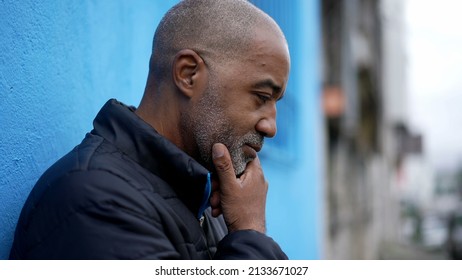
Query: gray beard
pixel 234 145
pixel 209 125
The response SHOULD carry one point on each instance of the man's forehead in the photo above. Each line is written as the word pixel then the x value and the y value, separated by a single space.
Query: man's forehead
pixel 269 42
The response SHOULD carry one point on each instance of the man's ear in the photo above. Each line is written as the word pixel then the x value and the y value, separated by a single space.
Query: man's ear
pixel 189 73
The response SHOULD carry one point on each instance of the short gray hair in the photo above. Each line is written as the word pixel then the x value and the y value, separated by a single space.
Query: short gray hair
pixel 222 28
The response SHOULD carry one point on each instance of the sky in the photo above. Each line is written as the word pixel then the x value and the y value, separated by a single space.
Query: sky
pixel 434 52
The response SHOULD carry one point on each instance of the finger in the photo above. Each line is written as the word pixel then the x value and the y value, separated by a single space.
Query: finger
pixel 215 184
pixel 215 204
pixel 215 199
pixel 216 212
pixel 223 165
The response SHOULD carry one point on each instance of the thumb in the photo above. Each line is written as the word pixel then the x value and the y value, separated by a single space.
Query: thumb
pixel 223 164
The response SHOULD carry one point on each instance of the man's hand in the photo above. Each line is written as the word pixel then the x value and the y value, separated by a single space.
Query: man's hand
pixel 241 200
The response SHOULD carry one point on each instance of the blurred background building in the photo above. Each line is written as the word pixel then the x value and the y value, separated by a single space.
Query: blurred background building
pixel 383 196
pixel 365 116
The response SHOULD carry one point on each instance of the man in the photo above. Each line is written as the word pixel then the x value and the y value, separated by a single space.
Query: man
pixel 178 177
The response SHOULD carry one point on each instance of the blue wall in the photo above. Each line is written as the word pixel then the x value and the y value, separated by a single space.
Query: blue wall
pixel 292 160
pixel 60 61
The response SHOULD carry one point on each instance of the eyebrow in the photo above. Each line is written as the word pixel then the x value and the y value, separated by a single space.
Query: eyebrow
pixel 268 83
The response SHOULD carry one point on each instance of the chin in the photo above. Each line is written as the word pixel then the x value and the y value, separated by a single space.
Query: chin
pixel 241 171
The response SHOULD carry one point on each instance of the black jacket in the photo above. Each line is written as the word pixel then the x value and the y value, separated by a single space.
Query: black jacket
pixel 128 193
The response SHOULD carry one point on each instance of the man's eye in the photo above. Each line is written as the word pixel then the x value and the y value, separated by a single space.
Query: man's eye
pixel 264 97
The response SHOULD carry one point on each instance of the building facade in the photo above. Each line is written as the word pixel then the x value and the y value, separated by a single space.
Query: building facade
pixel 364 101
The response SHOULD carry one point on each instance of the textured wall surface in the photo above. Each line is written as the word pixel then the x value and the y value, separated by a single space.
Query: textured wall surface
pixel 292 160
pixel 60 61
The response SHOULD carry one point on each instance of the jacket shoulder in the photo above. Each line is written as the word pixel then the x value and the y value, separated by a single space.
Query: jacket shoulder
pixel 90 214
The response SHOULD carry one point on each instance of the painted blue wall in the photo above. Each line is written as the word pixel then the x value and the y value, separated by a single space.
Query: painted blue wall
pixel 292 160
pixel 60 61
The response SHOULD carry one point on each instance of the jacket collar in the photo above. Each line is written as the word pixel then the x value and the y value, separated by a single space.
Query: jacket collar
pixel 118 124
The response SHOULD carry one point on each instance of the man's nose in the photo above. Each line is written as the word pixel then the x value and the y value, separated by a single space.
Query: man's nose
pixel 267 125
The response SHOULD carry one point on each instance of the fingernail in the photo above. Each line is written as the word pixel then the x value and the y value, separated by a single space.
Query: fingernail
pixel 217 151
